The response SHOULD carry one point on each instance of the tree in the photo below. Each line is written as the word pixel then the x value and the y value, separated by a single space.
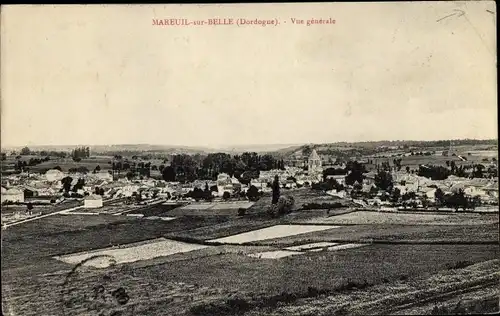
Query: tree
pixel 25 151
pixel 197 194
pixel 283 206
pixel 79 185
pixel 425 202
pixel 356 171
pixel 439 196
pixel 396 194
pixel 130 175
pixel 306 151
pixel 383 180
pixel 169 174
pixel 478 171
pixel 253 193
pixel 276 190
pixel 474 202
pixel 66 182
pixel 434 172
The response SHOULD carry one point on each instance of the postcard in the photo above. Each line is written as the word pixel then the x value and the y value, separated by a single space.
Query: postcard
pixel 249 159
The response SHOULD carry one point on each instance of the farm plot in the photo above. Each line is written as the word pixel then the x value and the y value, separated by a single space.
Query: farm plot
pixel 316 245
pixel 276 254
pixel 321 270
pixel 130 253
pixel 393 234
pixel 216 208
pixel 303 249
pixel 273 232
pixel 367 217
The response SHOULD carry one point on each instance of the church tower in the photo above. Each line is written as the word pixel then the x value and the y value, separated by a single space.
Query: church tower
pixel 314 162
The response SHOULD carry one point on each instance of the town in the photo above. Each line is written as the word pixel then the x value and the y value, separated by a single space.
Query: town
pixel 447 180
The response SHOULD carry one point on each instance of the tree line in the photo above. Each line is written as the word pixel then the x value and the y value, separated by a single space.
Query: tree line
pixel 80 153
pixel 187 168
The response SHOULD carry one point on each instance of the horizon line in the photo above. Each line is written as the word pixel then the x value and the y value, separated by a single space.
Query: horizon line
pixel 228 146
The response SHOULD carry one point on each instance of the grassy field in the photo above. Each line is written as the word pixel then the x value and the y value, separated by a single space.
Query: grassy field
pixel 415 161
pixel 371 217
pixel 44 209
pixel 104 162
pixel 418 294
pixel 194 282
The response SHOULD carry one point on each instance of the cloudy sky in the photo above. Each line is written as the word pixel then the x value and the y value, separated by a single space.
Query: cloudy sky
pixel 106 75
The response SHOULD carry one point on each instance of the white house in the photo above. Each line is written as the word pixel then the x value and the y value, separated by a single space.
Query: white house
pixel 13 195
pixel 224 184
pixel 92 201
pixel 54 175
pixel 340 194
pixel 104 175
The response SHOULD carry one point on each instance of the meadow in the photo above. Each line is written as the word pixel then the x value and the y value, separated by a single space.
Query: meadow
pixel 212 264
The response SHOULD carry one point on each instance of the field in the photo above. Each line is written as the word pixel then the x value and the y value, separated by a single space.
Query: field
pixel 67 163
pixel 210 209
pixel 252 264
pixel 476 156
pixel 142 251
pixel 370 217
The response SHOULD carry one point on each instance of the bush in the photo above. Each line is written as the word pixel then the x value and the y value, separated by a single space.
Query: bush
pixel 241 211
pixel 253 193
pixel 284 206
pixel 226 195
pixel 322 206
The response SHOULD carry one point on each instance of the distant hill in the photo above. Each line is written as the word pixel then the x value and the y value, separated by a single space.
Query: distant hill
pixel 363 148
pixel 278 148
pixel 283 150
pixel 167 149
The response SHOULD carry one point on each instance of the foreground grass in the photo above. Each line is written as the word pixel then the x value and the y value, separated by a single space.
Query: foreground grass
pixel 353 298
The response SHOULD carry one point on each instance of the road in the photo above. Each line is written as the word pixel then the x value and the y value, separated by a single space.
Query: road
pixel 61 212
pixel 41 216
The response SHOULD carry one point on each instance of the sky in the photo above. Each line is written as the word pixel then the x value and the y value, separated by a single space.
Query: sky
pixel 103 75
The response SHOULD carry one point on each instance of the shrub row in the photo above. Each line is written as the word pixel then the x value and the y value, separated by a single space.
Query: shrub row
pixel 322 206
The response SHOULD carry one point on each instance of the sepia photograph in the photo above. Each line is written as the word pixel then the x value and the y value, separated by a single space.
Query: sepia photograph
pixel 272 159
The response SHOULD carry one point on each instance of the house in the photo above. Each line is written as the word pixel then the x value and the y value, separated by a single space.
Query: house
pixel 92 201
pixel 431 194
pixel 13 195
pixel 301 180
pixel 30 192
pixel 289 184
pixel 104 175
pixel 369 178
pixel 474 191
pixel 341 194
pixel 54 175
pixel 492 190
pixel 339 178
pixel 224 184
